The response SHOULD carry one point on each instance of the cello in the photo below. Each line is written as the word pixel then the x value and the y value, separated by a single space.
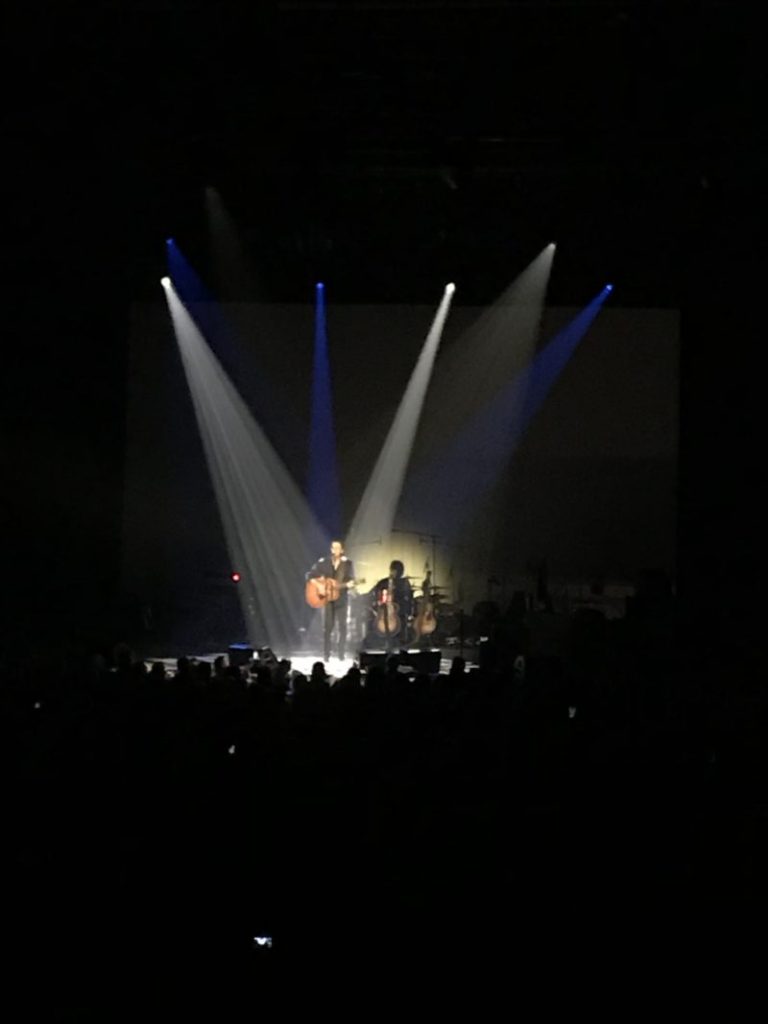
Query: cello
pixel 387 621
pixel 425 622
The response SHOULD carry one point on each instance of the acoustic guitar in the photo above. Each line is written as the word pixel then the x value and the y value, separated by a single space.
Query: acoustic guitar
pixel 324 590
pixel 425 622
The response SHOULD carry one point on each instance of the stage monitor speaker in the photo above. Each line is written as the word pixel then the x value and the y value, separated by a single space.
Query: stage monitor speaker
pixel 240 654
pixel 427 661
pixel 370 658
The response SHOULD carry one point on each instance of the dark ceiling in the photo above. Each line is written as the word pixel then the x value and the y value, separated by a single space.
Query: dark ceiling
pixel 386 147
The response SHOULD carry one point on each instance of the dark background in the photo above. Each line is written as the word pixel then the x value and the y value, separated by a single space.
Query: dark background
pixel 387 147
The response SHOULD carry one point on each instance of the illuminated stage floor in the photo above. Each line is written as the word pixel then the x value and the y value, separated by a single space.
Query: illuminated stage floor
pixel 335 667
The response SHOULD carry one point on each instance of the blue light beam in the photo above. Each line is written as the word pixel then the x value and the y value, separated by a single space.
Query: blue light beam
pixel 323 477
pixel 448 489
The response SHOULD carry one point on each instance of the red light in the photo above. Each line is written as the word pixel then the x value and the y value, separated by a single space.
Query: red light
pixel 235 577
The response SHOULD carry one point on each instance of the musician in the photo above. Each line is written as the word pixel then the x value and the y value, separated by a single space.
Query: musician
pixel 397 588
pixel 338 567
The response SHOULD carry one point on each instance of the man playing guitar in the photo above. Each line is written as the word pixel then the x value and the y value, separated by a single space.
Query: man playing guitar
pixel 328 584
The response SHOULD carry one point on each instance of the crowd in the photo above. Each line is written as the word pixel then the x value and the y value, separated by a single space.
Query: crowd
pixel 208 807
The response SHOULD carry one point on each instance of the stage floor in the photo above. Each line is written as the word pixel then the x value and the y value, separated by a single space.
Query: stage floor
pixel 335 667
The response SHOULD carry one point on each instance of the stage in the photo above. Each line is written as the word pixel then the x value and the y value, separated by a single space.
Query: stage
pixel 335 668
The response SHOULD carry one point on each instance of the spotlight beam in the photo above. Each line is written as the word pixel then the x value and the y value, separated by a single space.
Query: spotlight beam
pixel 323 478
pixel 236 275
pixel 485 357
pixel 271 534
pixel 222 334
pixel 376 511
pixel 451 486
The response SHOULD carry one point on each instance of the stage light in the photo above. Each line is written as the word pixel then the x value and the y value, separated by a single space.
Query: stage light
pixel 165 282
pixel 450 288
pixel 609 287
pixel 169 241
pixel 320 285
pixel 235 577
pixel 551 245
